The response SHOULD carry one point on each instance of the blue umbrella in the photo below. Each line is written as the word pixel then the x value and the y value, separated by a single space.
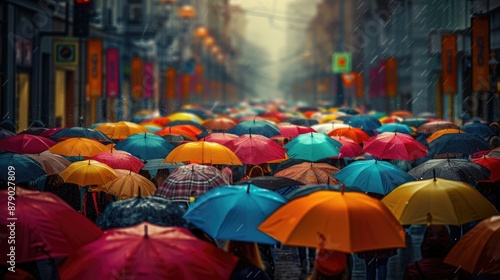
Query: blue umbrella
pixel 458 143
pixel 415 122
pixel 366 123
pixel 395 127
pixel 373 176
pixel 235 212
pixel 313 146
pixel 17 168
pixel 255 127
pixel 80 132
pixel 480 129
pixel 145 146
pixel 309 189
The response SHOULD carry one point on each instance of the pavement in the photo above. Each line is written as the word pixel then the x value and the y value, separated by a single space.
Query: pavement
pixel 287 259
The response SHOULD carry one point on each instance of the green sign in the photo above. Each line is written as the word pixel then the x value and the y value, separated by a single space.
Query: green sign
pixel 341 62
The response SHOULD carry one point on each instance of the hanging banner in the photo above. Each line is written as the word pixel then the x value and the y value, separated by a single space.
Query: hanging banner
pixel 348 79
pixel 94 68
pixel 136 77
pixel 359 85
pixel 112 72
pixel 381 78
pixel 199 79
pixel 170 86
pixel 341 62
pixel 148 80
pixel 186 85
pixel 449 70
pixel 391 77
pixel 480 46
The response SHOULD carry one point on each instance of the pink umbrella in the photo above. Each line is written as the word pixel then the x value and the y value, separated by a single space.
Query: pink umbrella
pixel 349 147
pixel 256 149
pixel 119 160
pixel 26 144
pixel 221 138
pixel 292 131
pixel 398 146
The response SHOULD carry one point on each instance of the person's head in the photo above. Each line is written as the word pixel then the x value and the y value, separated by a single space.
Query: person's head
pixel 495 127
pixel 436 242
pixel 494 142
pixel 246 251
pixel 256 171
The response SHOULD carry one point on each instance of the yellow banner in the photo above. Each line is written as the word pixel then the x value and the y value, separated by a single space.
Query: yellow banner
pixel 136 77
pixel 94 68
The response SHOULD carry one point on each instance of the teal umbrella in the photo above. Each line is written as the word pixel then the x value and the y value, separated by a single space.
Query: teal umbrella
pixel 415 122
pixel 145 146
pixel 16 168
pixel 396 127
pixel 255 127
pixel 312 147
pixel 373 176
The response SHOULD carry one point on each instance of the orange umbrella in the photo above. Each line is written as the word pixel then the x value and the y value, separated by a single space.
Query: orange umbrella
pixel 127 185
pixel 78 147
pixel 443 132
pixel 402 114
pixel 347 222
pixel 220 123
pixel 121 130
pixel 204 152
pixel 310 173
pixel 178 131
pixel 88 172
pixel 356 134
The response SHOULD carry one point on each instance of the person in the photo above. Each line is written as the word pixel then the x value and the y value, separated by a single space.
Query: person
pixel 435 246
pixel 306 254
pixel 376 262
pixel 329 265
pixel 250 265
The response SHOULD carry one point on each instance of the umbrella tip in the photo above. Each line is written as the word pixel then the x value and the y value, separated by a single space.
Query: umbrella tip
pixel 429 218
pixel 342 190
pixel 139 192
pixel 248 188
pixel 146 231
pixel 434 174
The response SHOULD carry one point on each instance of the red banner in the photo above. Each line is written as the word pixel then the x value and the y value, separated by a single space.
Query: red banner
pixel 136 77
pixel 480 45
pixel 112 72
pixel 391 77
pixel 359 85
pixel 170 86
pixel 94 67
pixel 449 69
pixel 199 79
pixel 348 79
pixel 148 80
pixel 186 86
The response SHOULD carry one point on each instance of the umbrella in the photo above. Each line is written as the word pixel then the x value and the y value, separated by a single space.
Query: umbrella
pixel 189 181
pixel 349 148
pixel 19 168
pixel 328 127
pixel 395 127
pixel 45 226
pixel 51 163
pixel 373 176
pixel 219 124
pixel 88 172
pixel 388 145
pixel 402 114
pixel 414 122
pixel 492 164
pixel 443 132
pixel 309 189
pixel 350 111
pixel 438 202
pixel 495 152
pixel 79 132
pixel 270 182
pixel 344 221
pixel 431 127
pixel 256 149
pixel 169 130
pixel 462 170
pixel 121 130
pixel 152 128
pixel 148 252
pixel 292 131
pixel 221 138
pixel 153 209
pixel 477 251
pixel 26 144
pixel 127 184
pixel 145 146
pixel 201 113
pixel 482 130
pixel 4 133
pixel 366 123
pixel 78 147
pixel 119 160
pixel 310 173
pixel 393 119
pixel 235 212
pixel 264 128
pixel 312 146
pixel 458 143
pixel 355 134
pixel 204 152
pixel 184 116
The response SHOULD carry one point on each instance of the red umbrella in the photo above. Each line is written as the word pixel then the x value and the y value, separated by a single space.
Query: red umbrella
pixel 221 138
pixel 219 123
pixel 26 144
pixel 349 147
pixel 148 252
pixel 119 160
pixel 492 163
pixel 45 226
pixel 294 130
pixel 398 146
pixel 256 149
pixel 356 134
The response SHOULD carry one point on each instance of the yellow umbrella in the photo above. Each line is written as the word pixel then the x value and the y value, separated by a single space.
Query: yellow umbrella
pixel 78 147
pixel 443 132
pixel 88 172
pixel 184 116
pixel 438 202
pixel 120 130
pixel 204 153
pixel 127 185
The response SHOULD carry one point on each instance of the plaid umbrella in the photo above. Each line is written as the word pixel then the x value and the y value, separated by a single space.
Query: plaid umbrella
pixel 310 173
pixel 462 170
pixel 189 181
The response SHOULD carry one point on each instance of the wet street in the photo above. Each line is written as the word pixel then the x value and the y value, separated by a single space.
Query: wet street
pixel 288 268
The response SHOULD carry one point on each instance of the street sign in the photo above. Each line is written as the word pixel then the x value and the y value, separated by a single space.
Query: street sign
pixel 66 53
pixel 341 62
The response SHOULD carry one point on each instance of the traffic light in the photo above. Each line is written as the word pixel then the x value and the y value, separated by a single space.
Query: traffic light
pixel 81 17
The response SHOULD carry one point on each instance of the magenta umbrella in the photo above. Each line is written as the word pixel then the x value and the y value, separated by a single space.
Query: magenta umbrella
pixel 398 146
pixel 256 149
pixel 294 130
pixel 119 160
pixel 349 147
pixel 26 144
pixel 221 138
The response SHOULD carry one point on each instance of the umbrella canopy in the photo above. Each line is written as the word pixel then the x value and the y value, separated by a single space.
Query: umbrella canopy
pixel 121 130
pixel 145 146
pixel 462 170
pixel 270 182
pixel 328 127
pixel 51 163
pixel 460 143
pixel 373 176
pixel 203 152
pixel 148 252
pixel 438 202
pixel 395 127
pixel 21 167
pixel 495 152
pixel 220 137
pixel 4 133
pixel 415 122
pixel 256 149
pixel 292 130
pixel 264 128
pixel 301 121
pixel 482 130
pixel 443 132
pixel 431 127
pixel 477 251
pixel 355 134
pixel 184 116
pixel 309 189
pixel 26 144
pixel 78 147
pixel 201 113
pixel 119 160
pixel 45 226
pixel 88 172
pixel 79 132
pixel 396 146
pixel 347 222
pixel 310 173
pixel 127 185
pixel 153 209
pixel 492 164
pixel 155 164
pixel 235 212
pixel 366 123
pixel 312 146
pixel 189 181
pixel 349 148
pixel 173 130
pixel 219 124
pixel 402 114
